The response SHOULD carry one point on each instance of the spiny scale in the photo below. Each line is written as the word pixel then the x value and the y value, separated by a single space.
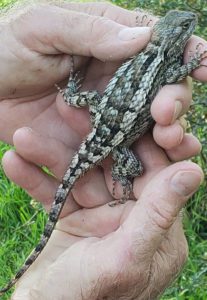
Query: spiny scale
pixel 122 114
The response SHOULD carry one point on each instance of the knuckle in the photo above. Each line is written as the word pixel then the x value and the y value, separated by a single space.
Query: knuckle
pixel 163 217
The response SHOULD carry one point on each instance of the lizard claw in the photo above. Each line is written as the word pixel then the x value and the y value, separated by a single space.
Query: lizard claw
pixel 61 91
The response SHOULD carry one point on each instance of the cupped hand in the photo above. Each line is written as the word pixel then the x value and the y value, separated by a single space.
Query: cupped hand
pixel 130 251
pixel 89 230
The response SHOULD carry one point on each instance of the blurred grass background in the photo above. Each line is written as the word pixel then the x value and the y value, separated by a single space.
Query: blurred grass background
pixel 22 219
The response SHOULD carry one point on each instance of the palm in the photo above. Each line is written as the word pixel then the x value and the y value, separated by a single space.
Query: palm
pixel 36 106
pixel 29 99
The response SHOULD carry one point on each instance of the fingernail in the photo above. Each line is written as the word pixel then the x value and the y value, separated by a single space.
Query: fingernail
pixel 183 123
pixel 186 182
pixel 128 34
pixel 199 145
pixel 180 131
pixel 177 111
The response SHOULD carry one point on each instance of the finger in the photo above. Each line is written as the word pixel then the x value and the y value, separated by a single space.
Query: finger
pixel 38 185
pixel 189 147
pixel 67 31
pixel 96 221
pixel 171 102
pixel 168 136
pixel 89 191
pixel 42 150
pixel 190 50
pixel 159 206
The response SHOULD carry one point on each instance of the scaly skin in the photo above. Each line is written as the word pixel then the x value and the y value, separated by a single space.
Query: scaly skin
pixel 122 114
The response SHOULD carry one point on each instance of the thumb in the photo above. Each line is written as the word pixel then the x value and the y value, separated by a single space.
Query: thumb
pixel 160 203
pixel 59 30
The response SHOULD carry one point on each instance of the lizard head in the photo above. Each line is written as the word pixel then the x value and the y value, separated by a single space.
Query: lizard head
pixel 174 29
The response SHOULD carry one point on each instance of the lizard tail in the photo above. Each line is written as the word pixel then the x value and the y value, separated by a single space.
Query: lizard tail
pixel 79 165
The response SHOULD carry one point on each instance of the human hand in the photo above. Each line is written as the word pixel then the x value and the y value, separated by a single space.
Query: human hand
pixel 43 114
pixel 179 138
pixel 131 251
pixel 35 49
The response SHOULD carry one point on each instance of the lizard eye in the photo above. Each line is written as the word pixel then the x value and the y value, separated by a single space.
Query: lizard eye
pixel 185 25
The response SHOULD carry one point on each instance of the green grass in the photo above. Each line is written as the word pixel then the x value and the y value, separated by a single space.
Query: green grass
pixel 192 282
pixel 5 3
pixel 21 222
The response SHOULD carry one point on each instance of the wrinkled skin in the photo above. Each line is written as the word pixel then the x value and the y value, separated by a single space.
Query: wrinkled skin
pixel 132 251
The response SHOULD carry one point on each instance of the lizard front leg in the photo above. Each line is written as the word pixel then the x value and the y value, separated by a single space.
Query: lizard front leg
pixel 177 72
pixel 126 167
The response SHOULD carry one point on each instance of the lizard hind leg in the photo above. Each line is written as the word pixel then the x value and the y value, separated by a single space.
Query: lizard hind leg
pixel 126 167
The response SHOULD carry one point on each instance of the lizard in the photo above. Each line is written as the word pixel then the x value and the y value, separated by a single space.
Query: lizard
pixel 121 114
